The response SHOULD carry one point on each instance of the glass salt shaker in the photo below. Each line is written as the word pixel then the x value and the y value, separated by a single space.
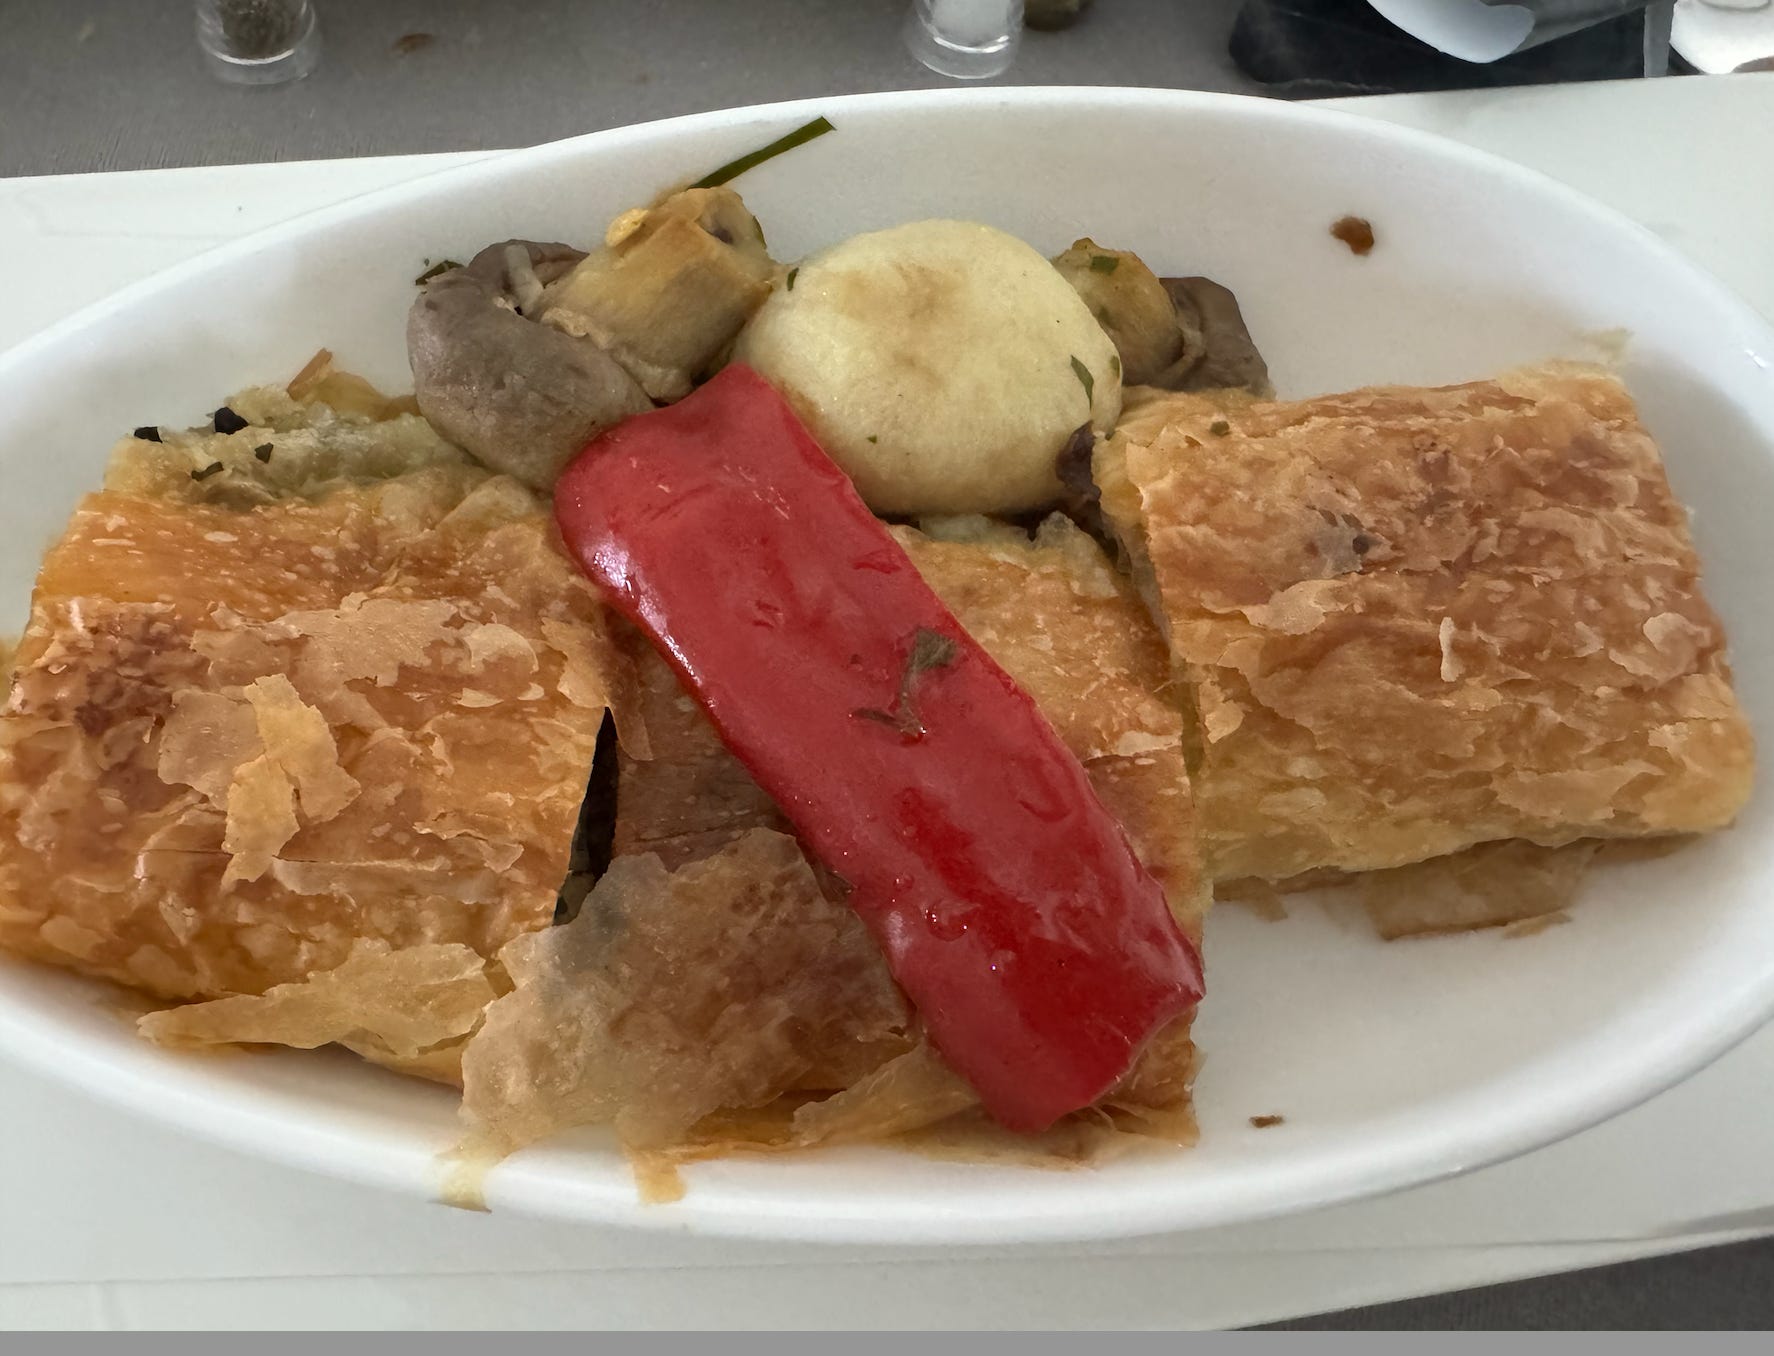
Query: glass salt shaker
pixel 258 42
pixel 966 39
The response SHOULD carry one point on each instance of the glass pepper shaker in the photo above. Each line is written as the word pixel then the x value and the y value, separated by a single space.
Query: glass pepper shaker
pixel 258 42
pixel 965 39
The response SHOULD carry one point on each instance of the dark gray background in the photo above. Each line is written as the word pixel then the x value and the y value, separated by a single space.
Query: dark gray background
pixel 118 84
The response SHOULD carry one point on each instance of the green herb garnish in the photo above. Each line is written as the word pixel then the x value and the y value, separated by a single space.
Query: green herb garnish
pixel 1104 263
pixel 734 168
pixel 1219 428
pixel 207 471
pixel 441 266
pixel 1115 363
pixel 1088 381
pixel 930 650
pixel 789 286
pixel 263 451
pixel 873 438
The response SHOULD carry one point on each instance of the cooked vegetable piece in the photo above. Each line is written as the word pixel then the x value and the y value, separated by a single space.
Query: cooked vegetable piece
pixel 1041 955
pixel 1133 308
pixel 1227 356
pixel 520 396
pixel 669 289
pixel 942 364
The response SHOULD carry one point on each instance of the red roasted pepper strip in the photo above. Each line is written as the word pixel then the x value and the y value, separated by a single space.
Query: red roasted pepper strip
pixel 1009 904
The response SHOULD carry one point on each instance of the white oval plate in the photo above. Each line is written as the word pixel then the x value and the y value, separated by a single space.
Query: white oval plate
pixel 1392 1064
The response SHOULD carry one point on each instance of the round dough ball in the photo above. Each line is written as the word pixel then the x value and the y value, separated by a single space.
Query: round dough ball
pixel 942 364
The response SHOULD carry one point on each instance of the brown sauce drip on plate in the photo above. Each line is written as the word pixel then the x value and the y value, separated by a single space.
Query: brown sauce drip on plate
pixel 1355 232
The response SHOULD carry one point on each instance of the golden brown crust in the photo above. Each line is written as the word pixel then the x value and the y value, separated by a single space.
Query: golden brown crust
pixel 240 740
pixel 1054 613
pixel 1418 619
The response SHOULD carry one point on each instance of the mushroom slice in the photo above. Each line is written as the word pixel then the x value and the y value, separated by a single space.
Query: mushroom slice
pixel 1226 357
pixel 521 397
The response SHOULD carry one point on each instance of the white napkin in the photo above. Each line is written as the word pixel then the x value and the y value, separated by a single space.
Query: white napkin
pixel 1485 30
